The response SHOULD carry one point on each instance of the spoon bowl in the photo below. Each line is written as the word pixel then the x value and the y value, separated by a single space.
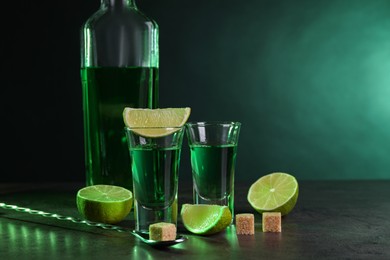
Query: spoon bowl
pixel 144 237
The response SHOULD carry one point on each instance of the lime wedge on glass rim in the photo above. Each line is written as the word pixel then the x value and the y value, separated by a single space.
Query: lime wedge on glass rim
pixel 274 192
pixel 104 203
pixel 155 122
pixel 204 219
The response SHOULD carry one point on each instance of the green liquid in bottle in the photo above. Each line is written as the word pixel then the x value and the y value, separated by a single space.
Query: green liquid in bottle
pixel 106 92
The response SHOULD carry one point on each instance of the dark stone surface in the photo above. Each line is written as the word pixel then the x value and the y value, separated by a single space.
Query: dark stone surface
pixel 332 220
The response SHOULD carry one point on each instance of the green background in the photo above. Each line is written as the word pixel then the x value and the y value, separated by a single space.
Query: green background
pixel 308 80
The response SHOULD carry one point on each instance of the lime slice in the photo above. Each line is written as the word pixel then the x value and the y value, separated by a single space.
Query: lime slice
pixel 155 122
pixel 205 219
pixel 277 192
pixel 104 203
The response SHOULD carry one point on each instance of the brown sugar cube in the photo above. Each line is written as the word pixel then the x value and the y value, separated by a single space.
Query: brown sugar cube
pixel 272 222
pixel 162 231
pixel 245 224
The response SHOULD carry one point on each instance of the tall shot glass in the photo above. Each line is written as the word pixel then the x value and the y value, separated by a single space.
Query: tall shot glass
pixel 213 148
pixel 155 166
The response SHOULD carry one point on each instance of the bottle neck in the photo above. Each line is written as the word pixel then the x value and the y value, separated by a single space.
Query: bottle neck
pixel 118 3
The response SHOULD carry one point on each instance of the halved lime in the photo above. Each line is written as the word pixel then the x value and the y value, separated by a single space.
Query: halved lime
pixel 277 192
pixel 205 219
pixel 155 122
pixel 104 203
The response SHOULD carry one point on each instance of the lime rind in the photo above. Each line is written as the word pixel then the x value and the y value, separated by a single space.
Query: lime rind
pixel 274 192
pixel 155 132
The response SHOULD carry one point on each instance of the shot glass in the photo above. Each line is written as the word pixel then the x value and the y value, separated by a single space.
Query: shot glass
pixel 155 166
pixel 213 148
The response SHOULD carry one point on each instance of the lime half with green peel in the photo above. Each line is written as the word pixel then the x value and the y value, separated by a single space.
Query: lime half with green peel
pixel 275 192
pixel 155 122
pixel 205 219
pixel 104 203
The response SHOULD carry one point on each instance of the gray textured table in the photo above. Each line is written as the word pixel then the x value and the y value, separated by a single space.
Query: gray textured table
pixel 332 220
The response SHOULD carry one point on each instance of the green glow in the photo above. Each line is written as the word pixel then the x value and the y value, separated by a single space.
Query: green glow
pixel 10 230
pixel 45 241
pixel 231 236
pixel 140 252
pixel 53 238
pixel 328 103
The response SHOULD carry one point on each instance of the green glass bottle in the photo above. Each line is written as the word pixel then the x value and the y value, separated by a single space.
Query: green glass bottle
pixel 119 68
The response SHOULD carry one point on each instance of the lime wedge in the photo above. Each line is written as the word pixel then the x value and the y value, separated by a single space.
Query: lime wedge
pixel 205 219
pixel 104 203
pixel 276 192
pixel 155 122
